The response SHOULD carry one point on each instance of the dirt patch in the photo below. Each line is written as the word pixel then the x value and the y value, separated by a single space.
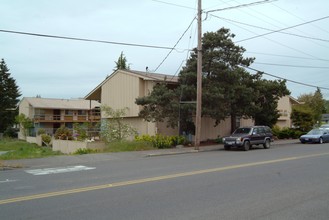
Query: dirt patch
pixel 4 166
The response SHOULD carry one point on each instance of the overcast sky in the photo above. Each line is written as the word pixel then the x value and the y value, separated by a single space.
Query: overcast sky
pixel 57 68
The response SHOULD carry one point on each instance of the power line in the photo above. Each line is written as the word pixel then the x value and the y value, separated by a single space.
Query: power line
pixel 279 30
pixel 280 55
pixel 242 5
pixel 267 29
pixel 175 45
pixel 288 65
pixel 297 17
pixel 288 80
pixel 86 40
pixel 172 4
pixel 299 51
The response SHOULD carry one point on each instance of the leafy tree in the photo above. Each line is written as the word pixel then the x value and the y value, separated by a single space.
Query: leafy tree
pixel 315 102
pixel 121 64
pixel 228 90
pixel 266 103
pixel 25 123
pixel 326 105
pixel 302 117
pixel 9 94
pixel 114 129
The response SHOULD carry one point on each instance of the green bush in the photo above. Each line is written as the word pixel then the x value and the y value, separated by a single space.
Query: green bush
pixel 219 140
pixel 81 131
pixel 63 133
pixel 286 133
pixel 178 140
pixel 159 141
pixel 85 151
pixel 41 131
pixel 11 132
pixel 46 139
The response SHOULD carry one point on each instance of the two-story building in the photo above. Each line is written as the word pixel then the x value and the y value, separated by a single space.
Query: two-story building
pixel 50 114
pixel 121 88
pixel 285 105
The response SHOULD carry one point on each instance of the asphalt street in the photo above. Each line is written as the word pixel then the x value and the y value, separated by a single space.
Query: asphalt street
pixel 288 181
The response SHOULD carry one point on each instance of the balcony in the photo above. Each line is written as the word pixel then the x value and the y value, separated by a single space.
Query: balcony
pixel 66 118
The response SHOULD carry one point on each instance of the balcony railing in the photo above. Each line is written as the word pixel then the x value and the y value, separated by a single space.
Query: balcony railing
pixel 66 118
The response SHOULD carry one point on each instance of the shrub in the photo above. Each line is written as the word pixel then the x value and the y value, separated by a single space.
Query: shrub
pixel 46 139
pixel 144 137
pixel 63 133
pixel 41 131
pixel 178 140
pixel 159 141
pixel 11 132
pixel 85 151
pixel 285 133
pixel 81 131
pixel 219 140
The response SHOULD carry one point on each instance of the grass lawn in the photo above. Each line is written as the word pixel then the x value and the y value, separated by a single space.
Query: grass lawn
pixel 128 146
pixel 18 149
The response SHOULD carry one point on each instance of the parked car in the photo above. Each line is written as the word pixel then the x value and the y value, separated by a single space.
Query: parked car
pixel 326 126
pixel 245 137
pixel 318 135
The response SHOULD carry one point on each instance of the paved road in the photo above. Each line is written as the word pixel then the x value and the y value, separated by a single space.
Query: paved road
pixel 288 181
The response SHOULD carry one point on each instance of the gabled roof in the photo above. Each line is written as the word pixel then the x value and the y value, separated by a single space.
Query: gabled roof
pixel 147 76
pixel 293 100
pixel 72 104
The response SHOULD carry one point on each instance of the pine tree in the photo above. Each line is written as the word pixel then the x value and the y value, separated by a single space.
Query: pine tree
pixel 121 64
pixel 9 94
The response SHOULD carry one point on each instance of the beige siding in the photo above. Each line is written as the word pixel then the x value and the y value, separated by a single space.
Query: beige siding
pixel 121 92
pixel 163 129
pixel 25 108
pixel 141 126
pixel 208 131
pixel 285 109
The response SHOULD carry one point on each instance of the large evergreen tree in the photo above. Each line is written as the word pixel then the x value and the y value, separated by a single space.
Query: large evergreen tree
pixel 121 64
pixel 228 90
pixel 9 94
pixel 315 102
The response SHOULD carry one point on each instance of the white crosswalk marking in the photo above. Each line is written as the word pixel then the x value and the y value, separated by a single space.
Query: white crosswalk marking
pixel 58 170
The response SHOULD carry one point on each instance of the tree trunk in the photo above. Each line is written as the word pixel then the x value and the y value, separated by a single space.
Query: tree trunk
pixel 233 123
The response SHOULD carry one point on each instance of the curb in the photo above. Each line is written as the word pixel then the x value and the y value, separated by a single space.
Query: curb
pixel 171 153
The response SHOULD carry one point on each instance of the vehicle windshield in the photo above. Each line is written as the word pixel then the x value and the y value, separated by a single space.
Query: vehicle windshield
pixel 315 132
pixel 242 131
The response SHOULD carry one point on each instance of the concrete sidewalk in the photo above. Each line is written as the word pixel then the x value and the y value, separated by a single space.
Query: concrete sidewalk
pixel 67 160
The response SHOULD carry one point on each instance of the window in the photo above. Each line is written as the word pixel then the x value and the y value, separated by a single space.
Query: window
pixel 68 112
pixel 82 112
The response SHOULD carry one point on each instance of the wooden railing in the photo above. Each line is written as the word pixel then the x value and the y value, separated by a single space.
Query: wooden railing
pixel 66 118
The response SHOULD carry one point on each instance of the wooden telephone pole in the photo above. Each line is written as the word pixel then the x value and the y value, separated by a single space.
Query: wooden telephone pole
pixel 199 82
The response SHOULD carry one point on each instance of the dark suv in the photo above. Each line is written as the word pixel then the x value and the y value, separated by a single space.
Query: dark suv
pixel 245 137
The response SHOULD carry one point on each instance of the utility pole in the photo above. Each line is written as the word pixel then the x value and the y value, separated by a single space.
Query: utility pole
pixel 199 82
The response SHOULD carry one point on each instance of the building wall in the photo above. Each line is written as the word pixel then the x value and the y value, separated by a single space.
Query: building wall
pixel 285 109
pixel 163 129
pixel 209 131
pixel 24 108
pixel 120 92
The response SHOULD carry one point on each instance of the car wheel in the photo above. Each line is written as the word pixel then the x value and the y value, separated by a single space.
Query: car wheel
pixel 246 145
pixel 320 140
pixel 226 147
pixel 267 144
